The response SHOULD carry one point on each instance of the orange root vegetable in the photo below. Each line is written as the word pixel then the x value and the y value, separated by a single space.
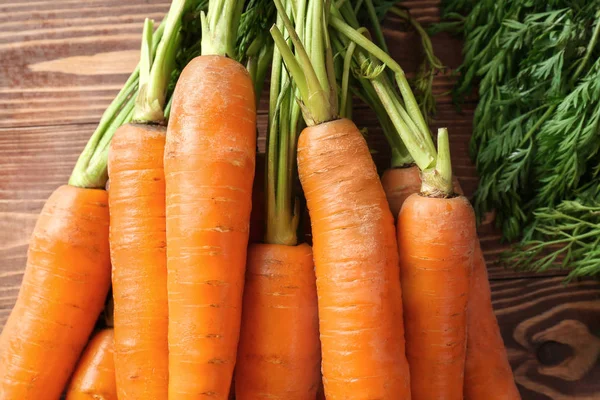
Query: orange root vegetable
pixel 138 253
pixel 94 377
pixel 488 374
pixel 356 260
pixel 279 353
pixel 209 168
pixel 66 281
pixel 398 184
pixel 436 239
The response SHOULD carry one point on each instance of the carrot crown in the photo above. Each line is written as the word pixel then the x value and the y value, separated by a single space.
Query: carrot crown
pixel 155 71
pixel 401 108
pixel 282 207
pixel 312 71
pixel 90 169
pixel 219 27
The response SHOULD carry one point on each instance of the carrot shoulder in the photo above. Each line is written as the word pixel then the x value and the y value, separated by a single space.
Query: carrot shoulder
pixel 63 291
pixel 138 253
pixel 209 168
pixel 279 355
pixel 94 377
pixel 399 183
pixel 435 241
pixel 356 261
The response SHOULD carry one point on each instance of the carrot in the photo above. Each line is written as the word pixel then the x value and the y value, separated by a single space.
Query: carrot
pixel 279 352
pixel 94 377
pixel 488 374
pixel 138 253
pixel 363 343
pixel 356 261
pixel 209 168
pixel 138 224
pixel 399 183
pixel 63 291
pixel 435 241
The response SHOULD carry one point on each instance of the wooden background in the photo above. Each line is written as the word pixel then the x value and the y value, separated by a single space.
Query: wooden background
pixel 61 63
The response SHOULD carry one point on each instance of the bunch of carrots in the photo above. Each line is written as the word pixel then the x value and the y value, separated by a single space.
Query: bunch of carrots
pixel 193 247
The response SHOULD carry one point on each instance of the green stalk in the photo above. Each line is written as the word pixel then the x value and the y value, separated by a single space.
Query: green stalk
pixel 281 206
pixel 437 182
pixel 219 27
pixel 405 115
pixel 316 99
pixel 412 107
pixel 258 66
pixel 157 70
pixel 93 175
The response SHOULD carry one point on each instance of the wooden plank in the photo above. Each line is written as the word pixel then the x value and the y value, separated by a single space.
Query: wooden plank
pixel 551 334
pixel 49 107
pixel 63 60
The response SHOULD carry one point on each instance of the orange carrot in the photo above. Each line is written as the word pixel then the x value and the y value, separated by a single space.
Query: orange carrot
pixel 488 374
pixel 360 302
pixel 398 184
pixel 279 353
pixel 435 241
pixel 209 166
pixel 63 291
pixel 355 255
pixel 138 225
pixel 94 377
pixel 138 253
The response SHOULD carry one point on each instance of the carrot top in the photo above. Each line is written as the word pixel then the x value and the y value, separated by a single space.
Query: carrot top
pixel 90 170
pixel 151 79
pixel 219 27
pixel 282 207
pixel 399 104
pixel 156 67
pixel 312 72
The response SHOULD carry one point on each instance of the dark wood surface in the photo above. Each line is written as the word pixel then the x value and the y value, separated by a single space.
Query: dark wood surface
pixel 61 63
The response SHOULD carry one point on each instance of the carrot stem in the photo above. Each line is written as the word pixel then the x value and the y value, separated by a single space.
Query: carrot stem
pixel 219 27
pixel 94 176
pixel 318 106
pixel 157 69
pixel 284 115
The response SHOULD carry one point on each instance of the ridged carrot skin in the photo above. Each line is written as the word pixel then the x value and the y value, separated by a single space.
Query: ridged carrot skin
pixel 436 239
pixel 139 261
pixel 488 374
pixel 63 291
pixel 209 168
pixel 94 377
pixel 398 184
pixel 356 262
pixel 279 353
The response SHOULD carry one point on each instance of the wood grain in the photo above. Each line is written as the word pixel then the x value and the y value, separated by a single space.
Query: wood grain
pixel 550 331
pixel 64 60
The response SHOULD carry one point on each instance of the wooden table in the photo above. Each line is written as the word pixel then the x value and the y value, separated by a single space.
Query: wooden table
pixel 62 61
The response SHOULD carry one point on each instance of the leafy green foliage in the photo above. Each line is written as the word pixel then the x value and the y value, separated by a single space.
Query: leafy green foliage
pixel 536 131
